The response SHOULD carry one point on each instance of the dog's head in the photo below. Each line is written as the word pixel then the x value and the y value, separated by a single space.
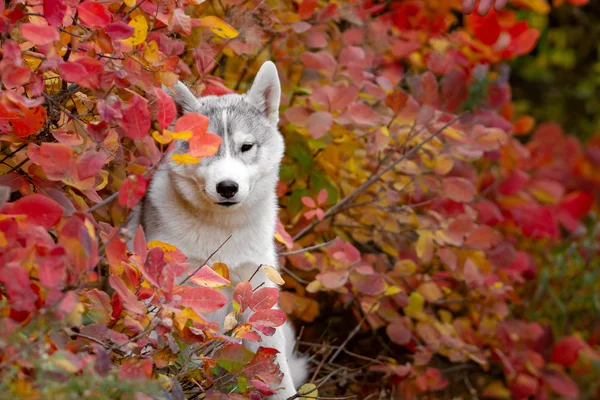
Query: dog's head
pixel 246 167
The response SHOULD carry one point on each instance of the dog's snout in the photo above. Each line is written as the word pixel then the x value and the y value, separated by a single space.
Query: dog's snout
pixel 227 189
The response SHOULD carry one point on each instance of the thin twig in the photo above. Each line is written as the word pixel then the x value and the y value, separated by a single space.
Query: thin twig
pixel 310 248
pixel 369 182
pixel 352 334
pixel 205 261
pixel 104 202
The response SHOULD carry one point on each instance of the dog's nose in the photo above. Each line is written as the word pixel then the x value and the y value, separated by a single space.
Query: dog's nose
pixel 227 189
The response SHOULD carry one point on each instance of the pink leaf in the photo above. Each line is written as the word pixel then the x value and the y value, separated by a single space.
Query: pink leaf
pixel 94 15
pixel 322 197
pixel 319 123
pixel 136 118
pixel 264 299
pixel 242 294
pixel 459 189
pixel 39 210
pixel 54 11
pixel 362 114
pixel 308 202
pixel 39 35
pixel 203 300
pixel 166 109
pixel 128 299
pixel 132 190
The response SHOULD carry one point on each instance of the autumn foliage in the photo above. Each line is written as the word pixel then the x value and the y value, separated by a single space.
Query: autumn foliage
pixel 446 233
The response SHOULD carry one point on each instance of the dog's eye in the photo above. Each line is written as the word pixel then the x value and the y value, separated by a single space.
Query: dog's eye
pixel 246 147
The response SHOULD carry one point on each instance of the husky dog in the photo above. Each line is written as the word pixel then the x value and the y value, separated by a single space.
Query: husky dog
pixel 198 207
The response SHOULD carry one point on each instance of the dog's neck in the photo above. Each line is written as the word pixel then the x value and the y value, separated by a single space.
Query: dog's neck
pixel 168 216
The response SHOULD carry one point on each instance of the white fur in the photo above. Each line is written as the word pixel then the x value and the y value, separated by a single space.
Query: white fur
pixel 188 217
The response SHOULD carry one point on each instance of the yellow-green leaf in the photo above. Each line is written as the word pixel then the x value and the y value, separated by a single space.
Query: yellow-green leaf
pixel 308 391
pixel 219 27
pixel 184 159
pixel 140 30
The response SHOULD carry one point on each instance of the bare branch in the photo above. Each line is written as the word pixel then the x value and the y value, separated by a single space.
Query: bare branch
pixel 373 179
pixel 205 261
pixel 310 248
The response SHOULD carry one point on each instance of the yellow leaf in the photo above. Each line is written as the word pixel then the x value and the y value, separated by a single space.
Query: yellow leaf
pixel 424 246
pixel 183 135
pixel 165 246
pixel 152 53
pixel 497 390
pixel 140 30
pixel 221 269
pixel 415 305
pixel 273 275
pixel 165 138
pixel 129 3
pixel 405 267
pixel 219 27
pixel 392 290
pixel 308 391
pixel 184 159
pixel 314 287
pixel 104 176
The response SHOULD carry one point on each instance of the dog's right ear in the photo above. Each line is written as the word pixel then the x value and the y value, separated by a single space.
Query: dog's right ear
pixel 184 99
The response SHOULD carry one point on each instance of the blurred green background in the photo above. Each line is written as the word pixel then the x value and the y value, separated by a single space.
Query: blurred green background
pixel 560 80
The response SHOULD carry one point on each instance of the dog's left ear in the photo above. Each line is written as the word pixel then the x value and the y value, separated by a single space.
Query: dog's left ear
pixel 265 92
pixel 184 99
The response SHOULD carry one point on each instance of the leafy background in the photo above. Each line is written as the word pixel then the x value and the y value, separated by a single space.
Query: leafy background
pixel 438 227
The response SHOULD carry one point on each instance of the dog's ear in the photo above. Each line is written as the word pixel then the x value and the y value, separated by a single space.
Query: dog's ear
pixel 183 97
pixel 265 92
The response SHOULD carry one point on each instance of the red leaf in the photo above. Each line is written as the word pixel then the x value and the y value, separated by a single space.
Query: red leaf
pixel 119 30
pixel 180 22
pixel 264 299
pixel 561 383
pixel 136 118
pixel 307 8
pixel 54 11
pixel 362 114
pixel 459 189
pixel 536 221
pixel 132 190
pixel 268 318
pixel 205 145
pixel 203 300
pixel 321 61
pixel 333 279
pixel 207 276
pixel 52 269
pixel 18 287
pixel 55 160
pixel 25 122
pixel 399 332
pixel 166 109
pixel 38 209
pixel 513 183
pixel 94 15
pixel 153 267
pixel 576 204
pixel 193 122
pixel 319 123
pixel 128 299
pixel 85 72
pixel 135 369
pixel 39 35
pixel 524 386
pixel 566 351
pixel 242 294
pixel 90 164
pixel 482 238
pixel 397 100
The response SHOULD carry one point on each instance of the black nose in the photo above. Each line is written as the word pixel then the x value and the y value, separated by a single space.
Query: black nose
pixel 227 189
